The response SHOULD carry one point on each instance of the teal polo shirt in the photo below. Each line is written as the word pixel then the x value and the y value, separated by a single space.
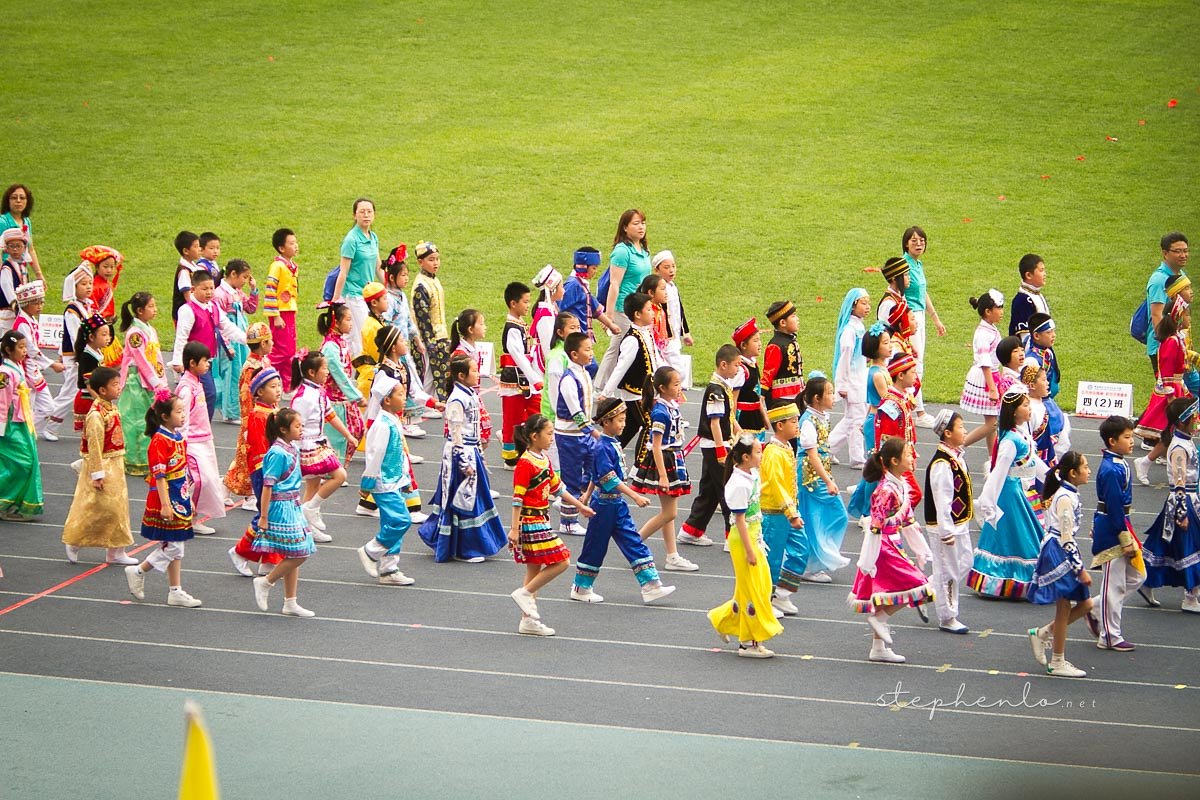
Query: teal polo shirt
pixel 1156 292
pixel 363 252
pixel 917 287
pixel 637 266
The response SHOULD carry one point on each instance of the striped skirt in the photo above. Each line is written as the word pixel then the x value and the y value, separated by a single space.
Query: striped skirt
pixel 538 543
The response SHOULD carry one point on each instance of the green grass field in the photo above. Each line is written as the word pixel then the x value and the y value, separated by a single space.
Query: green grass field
pixel 778 149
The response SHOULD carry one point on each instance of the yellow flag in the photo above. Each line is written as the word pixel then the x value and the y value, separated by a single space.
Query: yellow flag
pixel 199 778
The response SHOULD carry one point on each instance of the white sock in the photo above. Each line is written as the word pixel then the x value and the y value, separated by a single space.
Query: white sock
pixel 315 503
pixel 1057 659
pixel 176 588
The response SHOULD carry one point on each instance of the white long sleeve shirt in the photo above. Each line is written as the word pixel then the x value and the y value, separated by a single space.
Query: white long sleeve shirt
pixel 941 487
pixel 187 319
pixel 625 358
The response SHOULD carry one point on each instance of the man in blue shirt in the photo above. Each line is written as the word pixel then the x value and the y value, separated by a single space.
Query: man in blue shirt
pixel 1174 259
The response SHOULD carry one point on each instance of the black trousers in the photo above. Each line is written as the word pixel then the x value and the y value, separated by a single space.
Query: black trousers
pixel 634 422
pixel 710 496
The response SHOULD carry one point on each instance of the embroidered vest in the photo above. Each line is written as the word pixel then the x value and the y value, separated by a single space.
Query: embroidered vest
pixel 206 326
pixel 114 437
pixel 510 373
pixel 748 406
pixel 961 507
pixel 437 303
pixel 808 475
pixel 719 392
pixel 635 377
pixel 788 381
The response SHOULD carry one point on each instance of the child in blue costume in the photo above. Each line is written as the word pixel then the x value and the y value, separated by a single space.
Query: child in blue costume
pixel 1010 539
pixel 1059 577
pixel 877 348
pixel 463 523
pixel 1115 548
pixel 606 472
pixel 1172 546
pixel 282 527
pixel 386 477
pixel 818 499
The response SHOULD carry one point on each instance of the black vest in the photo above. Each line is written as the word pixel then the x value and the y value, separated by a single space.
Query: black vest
pixel 788 382
pixel 749 408
pixel 634 379
pixel 715 393
pixel 961 508
pixel 510 373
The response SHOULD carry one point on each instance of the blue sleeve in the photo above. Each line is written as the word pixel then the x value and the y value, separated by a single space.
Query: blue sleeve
pixel 1156 289
pixel 273 466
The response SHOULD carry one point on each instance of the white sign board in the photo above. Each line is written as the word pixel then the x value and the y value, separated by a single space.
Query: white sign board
pixel 488 351
pixel 50 331
pixel 1102 400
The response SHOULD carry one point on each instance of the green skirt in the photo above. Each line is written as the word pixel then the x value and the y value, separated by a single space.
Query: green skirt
pixel 133 405
pixel 20 472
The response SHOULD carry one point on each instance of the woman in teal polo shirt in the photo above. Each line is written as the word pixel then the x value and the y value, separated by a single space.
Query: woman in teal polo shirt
pixel 359 266
pixel 628 266
pixel 15 208
pixel 919 302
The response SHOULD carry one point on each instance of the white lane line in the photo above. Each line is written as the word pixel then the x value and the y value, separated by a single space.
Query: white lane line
pixel 593 681
pixel 617 642
pixel 590 725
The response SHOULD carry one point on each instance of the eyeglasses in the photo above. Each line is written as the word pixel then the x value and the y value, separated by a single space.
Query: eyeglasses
pixel 1177 251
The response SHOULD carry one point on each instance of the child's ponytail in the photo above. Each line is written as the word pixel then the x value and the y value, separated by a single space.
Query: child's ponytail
pixel 1055 478
pixel 654 384
pixel 742 447
pixel 890 452
pixel 465 320
pixel 457 372
pixel 161 408
pixel 278 422
pixel 523 434
pixel 303 366
pixel 132 306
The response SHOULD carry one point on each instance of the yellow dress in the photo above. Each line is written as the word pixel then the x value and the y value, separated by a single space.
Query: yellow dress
pixel 100 517
pixel 748 616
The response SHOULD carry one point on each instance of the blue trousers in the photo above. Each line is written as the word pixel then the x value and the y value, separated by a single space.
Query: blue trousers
pixel 613 521
pixel 394 520
pixel 210 392
pixel 787 550
pixel 573 454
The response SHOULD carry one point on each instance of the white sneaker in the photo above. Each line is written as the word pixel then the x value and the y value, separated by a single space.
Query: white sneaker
pixel 778 612
pixel 413 458
pixel 1190 604
pixel 313 515
pixel 73 554
pixel 534 627
pixel 880 628
pixel 77 465
pixel 1039 645
pixel 953 626
pixel 202 529
pixel 834 460
pixel 782 601
pixel 262 593
pixel 817 577
pixel 369 564
pixel 924 420
pixel 396 578
pixel 240 564
pixel 571 529
pixel 1065 669
pixel 755 650
pixel 117 555
pixel 431 413
pixel 137 582
pixel 418 517
pixel 49 435
pixel 885 655
pixel 321 537
pixel 472 560
pixel 1147 446
pixel 526 602
pixel 414 432
pixel 363 511
pixel 652 593
pixel 294 609
pixel 697 541
pixel 726 547
pixel 180 598
pixel 586 597
pixel 677 563
pixel 1141 466
pixel 250 505
pixel 495 494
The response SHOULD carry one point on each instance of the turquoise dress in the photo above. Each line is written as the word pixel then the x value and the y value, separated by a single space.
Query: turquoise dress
pixel 1010 539
pixel 823 513
pixel 284 531
pixel 860 501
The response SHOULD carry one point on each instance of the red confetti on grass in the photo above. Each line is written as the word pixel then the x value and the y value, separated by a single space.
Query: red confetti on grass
pixel 1110 139
pixel 1172 103
pixel 1044 177
pixel 820 299
pixel 966 219
pixel 1080 158
pixel 85 103
pixel 270 58
pixel 1141 122
pixel 1001 198
pixel 870 269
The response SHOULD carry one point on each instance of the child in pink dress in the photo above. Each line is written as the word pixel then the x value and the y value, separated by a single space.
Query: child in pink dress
pixel 208 491
pixel 886 580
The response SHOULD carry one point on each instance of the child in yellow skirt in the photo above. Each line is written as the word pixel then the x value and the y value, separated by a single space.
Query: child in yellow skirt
pixel 99 515
pixel 748 616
